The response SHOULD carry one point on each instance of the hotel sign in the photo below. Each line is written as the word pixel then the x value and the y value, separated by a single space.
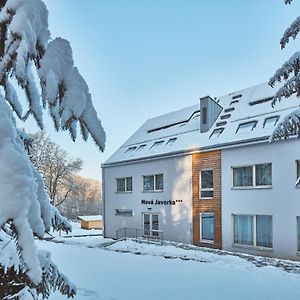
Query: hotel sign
pixel 160 202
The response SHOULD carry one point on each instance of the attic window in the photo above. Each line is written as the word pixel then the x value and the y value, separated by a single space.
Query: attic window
pixel 221 123
pixel 270 122
pixel 227 110
pixel 246 127
pixel 157 144
pixel 225 116
pixel 141 147
pixel 130 149
pixel 216 132
pixel 237 96
pixel 171 141
pixel 234 102
pixel 260 101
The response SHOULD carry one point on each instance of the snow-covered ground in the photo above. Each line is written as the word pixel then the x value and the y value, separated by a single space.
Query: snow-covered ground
pixel 77 231
pixel 130 270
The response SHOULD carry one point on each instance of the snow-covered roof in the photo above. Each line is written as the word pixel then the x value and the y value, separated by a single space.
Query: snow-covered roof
pixel 247 116
pixel 90 218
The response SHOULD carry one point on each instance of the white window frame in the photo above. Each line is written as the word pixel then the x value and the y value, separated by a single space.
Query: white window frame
pixel 254 186
pixel 205 189
pixel 241 126
pixel 154 183
pixel 126 191
pixel 254 246
pixel 200 219
pixel 270 118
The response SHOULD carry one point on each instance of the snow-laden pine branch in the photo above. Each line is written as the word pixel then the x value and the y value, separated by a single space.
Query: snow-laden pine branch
pixel 289 126
pixel 25 48
pixel 64 91
pixel 289 72
pixel 291 32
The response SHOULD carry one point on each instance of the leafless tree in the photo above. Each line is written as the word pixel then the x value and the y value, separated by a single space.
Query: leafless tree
pixel 57 169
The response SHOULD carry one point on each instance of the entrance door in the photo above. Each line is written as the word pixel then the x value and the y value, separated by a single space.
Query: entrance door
pixel 150 223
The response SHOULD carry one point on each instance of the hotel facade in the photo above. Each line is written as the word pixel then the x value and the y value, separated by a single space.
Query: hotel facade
pixel 207 175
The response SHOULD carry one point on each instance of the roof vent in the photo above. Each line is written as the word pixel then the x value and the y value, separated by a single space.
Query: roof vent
pixel 210 111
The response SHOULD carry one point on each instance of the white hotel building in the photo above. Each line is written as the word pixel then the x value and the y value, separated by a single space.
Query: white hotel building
pixel 207 175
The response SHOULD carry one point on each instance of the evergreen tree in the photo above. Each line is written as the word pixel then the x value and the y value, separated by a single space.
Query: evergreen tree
pixel 25 209
pixel 289 74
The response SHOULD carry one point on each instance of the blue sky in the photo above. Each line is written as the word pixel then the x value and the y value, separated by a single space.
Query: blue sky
pixel 146 58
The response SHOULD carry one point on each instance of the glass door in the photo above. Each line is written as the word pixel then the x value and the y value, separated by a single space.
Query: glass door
pixel 151 225
pixel 147 224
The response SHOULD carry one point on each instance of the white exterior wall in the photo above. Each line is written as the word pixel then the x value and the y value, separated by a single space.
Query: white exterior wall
pixel 174 220
pixel 282 201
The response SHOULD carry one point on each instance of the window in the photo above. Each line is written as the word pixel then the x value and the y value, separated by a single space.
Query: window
pixel 227 116
pixel 253 230
pixel 170 142
pixel 207 184
pixel 157 144
pixel 130 149
pixel 153 182
pixel 216 132
pixel 246 127
pixel 223 123
pixel 234 102
pixel 124 184
pixel 252 176
pixel 204 115
pixel 236 96
pixel 230 109
pixel 141 147
pixel 260 101
pixel 298 233
pixel 270 122
pixel 207 227
pixel 123 212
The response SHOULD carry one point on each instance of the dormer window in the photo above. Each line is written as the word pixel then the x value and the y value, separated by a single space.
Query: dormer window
pixel 246 127
pixel 141 147
pixel 233 102
pixel 271 122
pixel 216 132
pixel 157 144
pixel 130 149
pixel 171 141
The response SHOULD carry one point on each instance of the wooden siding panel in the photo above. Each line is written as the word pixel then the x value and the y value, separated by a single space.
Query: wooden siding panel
pixel 200 161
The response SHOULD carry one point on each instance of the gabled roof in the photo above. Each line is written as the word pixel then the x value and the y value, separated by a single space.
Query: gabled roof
pixel 247 117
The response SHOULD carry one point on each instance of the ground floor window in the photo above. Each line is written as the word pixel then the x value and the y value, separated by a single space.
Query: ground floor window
pixel 253 230
pixel 207 221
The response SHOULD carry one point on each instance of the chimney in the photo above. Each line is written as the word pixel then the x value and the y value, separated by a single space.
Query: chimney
pixel 210 111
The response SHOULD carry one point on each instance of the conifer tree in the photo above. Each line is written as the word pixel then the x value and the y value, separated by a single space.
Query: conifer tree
pixel 27 53
pixel 289 74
